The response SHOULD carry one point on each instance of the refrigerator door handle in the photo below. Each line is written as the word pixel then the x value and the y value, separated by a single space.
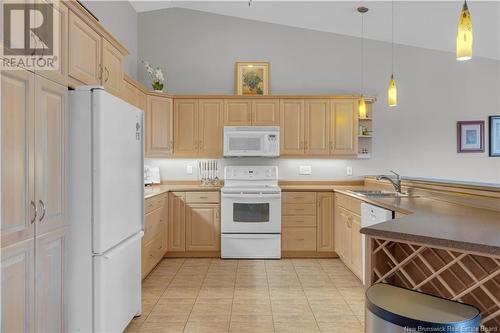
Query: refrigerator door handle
pixel 117 249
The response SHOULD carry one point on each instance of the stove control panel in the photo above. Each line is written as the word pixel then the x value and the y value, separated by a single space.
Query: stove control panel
pixel 251 173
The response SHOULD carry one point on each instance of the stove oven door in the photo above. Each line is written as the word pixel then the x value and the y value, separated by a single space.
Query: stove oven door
pixel 251 213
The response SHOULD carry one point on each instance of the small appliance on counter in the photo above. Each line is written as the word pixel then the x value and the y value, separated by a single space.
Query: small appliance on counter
pixel 251 213
pixel 151 175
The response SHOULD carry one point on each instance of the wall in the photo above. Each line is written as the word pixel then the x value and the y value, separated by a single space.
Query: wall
pixel 417 138
pixel 119 18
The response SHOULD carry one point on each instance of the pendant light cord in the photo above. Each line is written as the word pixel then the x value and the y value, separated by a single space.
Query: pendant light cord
pixel 362 53
pixel 392 38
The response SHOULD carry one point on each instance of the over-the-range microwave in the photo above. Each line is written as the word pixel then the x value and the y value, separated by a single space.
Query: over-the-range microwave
pixel 258 141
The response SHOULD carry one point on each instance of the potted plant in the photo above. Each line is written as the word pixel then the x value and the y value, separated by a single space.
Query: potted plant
pixel 156 76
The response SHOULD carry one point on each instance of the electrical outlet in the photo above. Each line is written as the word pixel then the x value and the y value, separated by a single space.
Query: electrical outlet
pixel 305 170
pixel 349 170
pixel 189 169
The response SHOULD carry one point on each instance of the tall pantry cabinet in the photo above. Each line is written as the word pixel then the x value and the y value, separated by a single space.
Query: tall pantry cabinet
pixel 33 194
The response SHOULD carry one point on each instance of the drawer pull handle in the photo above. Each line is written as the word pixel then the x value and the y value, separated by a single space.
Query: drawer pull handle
pixel 299 209
pixel 299 239
pixel 203 197
pixel 299 198
pixel 299 221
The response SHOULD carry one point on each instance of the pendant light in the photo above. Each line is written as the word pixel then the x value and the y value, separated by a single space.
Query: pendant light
pixel 464 35
pixel 392 93
pixel 362 103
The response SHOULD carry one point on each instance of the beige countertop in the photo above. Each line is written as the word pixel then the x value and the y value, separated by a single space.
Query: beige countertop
pixel 437 222
pixel 427 220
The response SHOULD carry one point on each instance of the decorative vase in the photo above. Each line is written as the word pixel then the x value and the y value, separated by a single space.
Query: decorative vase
pixel 158 87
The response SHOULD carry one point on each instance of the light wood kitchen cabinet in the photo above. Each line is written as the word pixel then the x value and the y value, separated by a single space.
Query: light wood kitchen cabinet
pixel 131 92
pixel 18 282
pixel 198 128
pixel 49 279
pixel 34 148
pixel 154 241
pixel 93 59
pixel 347 235
pixel 186 141
pixel 176 222
pixel 60 19
pixel 210 127
pixel 51 166
pixel 18 160
pixel 325 218
pixel 292 127
pixel 84 51
pixel 159 126
pixel 112 68
pixel 265 112
pixel 316 127
pixel 237 112
pixel 299 239
pixel 202 227
pixel 344 127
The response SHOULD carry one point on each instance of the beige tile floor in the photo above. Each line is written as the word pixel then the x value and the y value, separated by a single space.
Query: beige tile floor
pixel 213 295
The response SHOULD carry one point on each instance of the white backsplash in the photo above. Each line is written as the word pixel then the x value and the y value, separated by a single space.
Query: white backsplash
pixel 289 169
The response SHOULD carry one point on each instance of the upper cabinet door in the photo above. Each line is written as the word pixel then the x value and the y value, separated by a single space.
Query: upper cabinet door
pixel 84 51
pixel 186 141
pixel 317 129
pixel 60 74
pixel 292 127
pixel 51 167
pixel 18 282
pixel 159 127
pixel 237 112
pixel 343 127
pixel 18 159
pixel 112 64
pixel 266 112
pixel 210 127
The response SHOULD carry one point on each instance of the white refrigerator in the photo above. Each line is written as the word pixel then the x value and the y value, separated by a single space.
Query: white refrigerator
pixel 106 214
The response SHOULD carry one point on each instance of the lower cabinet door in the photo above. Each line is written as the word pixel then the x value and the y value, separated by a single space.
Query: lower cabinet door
pixel 325 222
pixel 176 222
pixel 356 248
pixel 49 281
pixel 152 253
pixel 298 239
pixel 342 234
pixel 17 294
pixel 202 227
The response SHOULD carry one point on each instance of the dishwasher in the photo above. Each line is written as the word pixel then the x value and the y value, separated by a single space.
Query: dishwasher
pixel 371 215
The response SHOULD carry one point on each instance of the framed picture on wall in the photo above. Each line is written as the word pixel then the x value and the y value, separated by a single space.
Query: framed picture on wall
pixel 495 136
pixel 252 78
pixel 470 136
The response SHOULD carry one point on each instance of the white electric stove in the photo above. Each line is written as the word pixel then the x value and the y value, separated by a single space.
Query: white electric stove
pixel 251 213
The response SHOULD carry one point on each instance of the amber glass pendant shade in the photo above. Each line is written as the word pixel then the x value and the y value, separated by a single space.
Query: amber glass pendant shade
pixel 464 35
pixel 362 108
pixel 392 93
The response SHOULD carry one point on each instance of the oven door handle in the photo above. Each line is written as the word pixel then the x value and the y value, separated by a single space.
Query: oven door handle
pixel 250 196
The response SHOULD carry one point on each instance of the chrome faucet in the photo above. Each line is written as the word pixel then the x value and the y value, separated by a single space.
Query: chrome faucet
pixel 396 182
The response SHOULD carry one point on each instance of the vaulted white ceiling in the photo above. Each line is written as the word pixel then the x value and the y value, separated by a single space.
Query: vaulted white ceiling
pixel 427 24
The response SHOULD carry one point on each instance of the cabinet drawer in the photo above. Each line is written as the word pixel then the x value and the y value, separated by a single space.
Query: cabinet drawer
pixel 298 239
pixel 299 209
pixel 299 221
pixel 298 197
pixel 155 202
pixel 152 225
pixel 202 197
pixel 349 203
pixel 152 253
